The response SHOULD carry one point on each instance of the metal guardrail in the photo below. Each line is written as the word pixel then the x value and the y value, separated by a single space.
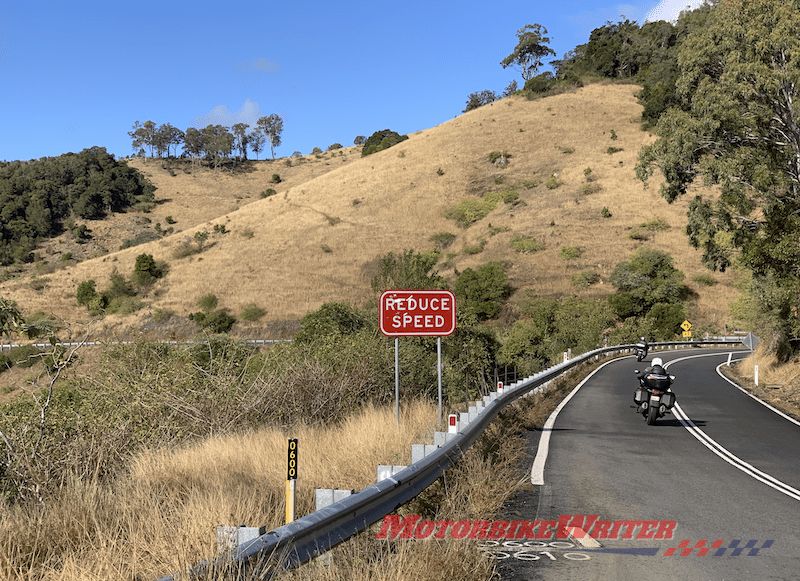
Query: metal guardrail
pixel 311 535
pixel 9 346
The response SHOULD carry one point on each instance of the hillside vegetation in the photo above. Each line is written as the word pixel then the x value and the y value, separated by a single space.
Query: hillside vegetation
pixel 569 182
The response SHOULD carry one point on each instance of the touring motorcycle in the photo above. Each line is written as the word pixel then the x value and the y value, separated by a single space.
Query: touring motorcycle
pixel 640 349
pixel 654 397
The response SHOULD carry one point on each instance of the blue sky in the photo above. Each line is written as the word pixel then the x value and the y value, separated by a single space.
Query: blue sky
pixel 75 75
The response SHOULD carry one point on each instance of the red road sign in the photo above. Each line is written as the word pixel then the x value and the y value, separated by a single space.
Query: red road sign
pixel 417 313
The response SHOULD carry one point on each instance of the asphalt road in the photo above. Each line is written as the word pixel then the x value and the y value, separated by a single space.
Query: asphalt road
pixel 606 463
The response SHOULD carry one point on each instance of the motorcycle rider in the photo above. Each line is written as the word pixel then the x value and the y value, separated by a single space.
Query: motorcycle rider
pixel 654 376
pixel 642 347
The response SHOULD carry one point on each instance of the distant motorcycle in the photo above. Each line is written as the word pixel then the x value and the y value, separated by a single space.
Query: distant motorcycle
pixel 640 349
pixel 654 397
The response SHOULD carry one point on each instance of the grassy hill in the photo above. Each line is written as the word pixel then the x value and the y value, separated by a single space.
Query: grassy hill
pixel 320 237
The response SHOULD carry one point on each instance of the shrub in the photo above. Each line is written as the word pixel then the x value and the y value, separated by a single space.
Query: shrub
pixel 216 321
pixel 316 150
pixel 86 292
pixel 381 140
pixel 207 303
pixel 333 146
pixel 566 150
pixel 169 220
pixel 200 237
pixel 636 234
pixel 443 239
pixel 605 212
pixel 655 225
pixel 526 244
pixel 540 83
pixel 275 179
pixel 496 229
pixel 252 312
pixel 268 192
pixel 496 156
pixel 588 174
pixel 220 229
pixel 146 271
pixel 589 189
pixel 123 305
pixel 476 248
pixel 470 210
pixel 552 183
pixel 481 291
pixel 611 150
pixel 570 252
pixel 584 279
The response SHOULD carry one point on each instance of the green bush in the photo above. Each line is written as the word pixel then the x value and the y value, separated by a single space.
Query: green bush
pixel 442 239
pixel 526 244
pixel 570 252
pixel 86 292
pixel 215 321
pixel 252 312
pixel 268 192
pixel 605 212
pixel 589 189
pixel 169 220
pixel 381 140
pixel 146 271
pixel 541 83
pixel 482 291
pixel 333 146
pixel 655 225
pixel 470 210
pixel 612 150
pixel 476 248
pixel 275 179
pixel 584 279
pixel 207 303
pixel 636 234
pixel 552 183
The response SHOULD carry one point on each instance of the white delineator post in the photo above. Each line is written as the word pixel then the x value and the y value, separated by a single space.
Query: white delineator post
pixel 499 387
pixel 452 427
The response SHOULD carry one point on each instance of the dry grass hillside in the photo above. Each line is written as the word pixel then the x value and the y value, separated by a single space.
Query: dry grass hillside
pixel 334 215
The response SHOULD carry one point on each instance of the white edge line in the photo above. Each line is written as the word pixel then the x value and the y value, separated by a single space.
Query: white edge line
pixel 537 470
pixel 726 455
pixel 759 400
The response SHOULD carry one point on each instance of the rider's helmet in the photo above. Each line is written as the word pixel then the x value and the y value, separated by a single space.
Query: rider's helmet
pixel 657 361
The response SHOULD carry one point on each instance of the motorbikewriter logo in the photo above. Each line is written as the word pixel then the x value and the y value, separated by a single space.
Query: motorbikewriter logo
pixel 576 526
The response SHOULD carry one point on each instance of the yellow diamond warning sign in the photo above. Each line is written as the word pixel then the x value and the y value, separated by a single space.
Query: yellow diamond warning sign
pixel 686 325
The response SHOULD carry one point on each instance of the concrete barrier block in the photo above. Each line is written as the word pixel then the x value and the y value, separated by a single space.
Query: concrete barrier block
pixel 385 472
pixel 441 438
pixel 419 451
pixel 327 496
pixel 464 420
pixel 230 537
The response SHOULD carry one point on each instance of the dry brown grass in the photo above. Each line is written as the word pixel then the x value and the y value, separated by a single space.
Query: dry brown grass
pixel 778 383
pixel 359 209
pixel 161 517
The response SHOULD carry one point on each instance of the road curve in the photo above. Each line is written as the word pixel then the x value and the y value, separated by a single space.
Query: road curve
pixel 712 492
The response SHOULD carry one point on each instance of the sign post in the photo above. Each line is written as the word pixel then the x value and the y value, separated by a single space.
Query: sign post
pixel 417 313
pixel 291 479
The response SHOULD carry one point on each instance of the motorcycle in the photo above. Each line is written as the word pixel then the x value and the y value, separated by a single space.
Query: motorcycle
pixel 654 397
pixel 640 350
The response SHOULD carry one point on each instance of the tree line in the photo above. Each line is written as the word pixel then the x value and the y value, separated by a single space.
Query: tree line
pixel 213 143
pixel 38 198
